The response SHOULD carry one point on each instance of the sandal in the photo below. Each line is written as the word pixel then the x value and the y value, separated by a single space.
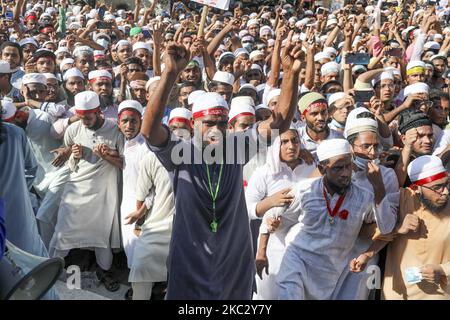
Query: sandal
pixel 108 281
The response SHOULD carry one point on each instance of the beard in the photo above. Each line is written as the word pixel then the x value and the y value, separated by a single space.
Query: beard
pixel 315 129
pixel 431 206
pixel 333 186
pixel 105 101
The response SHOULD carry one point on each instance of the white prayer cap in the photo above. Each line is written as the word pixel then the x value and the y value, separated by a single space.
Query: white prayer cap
pixel 385 75
pixel 243 33
pixel 331 148
pixel 121 43
pixel 82 50
pixel 359 67
pixel 255 53
pixel 237 110
pixel 335 97
pixel 369 9
pixel 5 67
pixel 66 61
pixel 433 45
pixel 265 30
pixel 74 25
pixel 414 64
pixel 99 53
pixel 396 72
pixel 103 42
pixel 209 103
pixel 266 15
pixel 308 13
pixel 439 56
pixel 101 35
pixel 355 124
pixel 141 45
pixel 272 94
pixel 225 55
pixel 321 55
pixel 270 42
pixel 418 87
pixel 194 95
pixel 61 49
pixel 180 115
pixel 29 41
pixel 151 81
pixel 425 169
pixel 86 102
pixel 330 22
pixel 330 50
pixel 253 15
pixel 72 72
pixel 130 104
pixel 255 66
pixel 33 78
pixel 438 36
pixel 261 106
pixel 48 75
pixel 224 77
pixel 329 67
pixel 252 22
pixel 108 17
pixel 244 100
pixel 240 51
pixel 302 22
pixel 7 110
pixel 99 74
pixel 248 86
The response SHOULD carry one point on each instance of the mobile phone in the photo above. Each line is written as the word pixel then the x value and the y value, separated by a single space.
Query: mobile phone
pixel 320 11
pixel 104 25
pixel 363 95
pixel 9 15
pixel 101 12
pixel 395 52
pixel 357 58
pixel 146 33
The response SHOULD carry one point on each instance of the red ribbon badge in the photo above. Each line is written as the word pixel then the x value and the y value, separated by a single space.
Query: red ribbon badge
pixel 342 214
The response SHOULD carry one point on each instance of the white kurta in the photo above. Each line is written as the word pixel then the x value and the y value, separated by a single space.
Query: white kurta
pixel 354 284
pixel 88 213
pixel 263 184
pixel 320 253
pixel 152 246
pixel 134 151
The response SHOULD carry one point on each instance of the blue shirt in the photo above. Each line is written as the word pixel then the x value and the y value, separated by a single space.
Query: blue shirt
pixel 2 228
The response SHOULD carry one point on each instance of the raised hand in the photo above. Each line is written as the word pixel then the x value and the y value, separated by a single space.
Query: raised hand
pixel 176 58
pixel 291 55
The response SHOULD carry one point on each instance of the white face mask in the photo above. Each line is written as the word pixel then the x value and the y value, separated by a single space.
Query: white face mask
pixel 363 163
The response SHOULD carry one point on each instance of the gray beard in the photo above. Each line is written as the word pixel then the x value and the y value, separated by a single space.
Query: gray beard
pixel 430 206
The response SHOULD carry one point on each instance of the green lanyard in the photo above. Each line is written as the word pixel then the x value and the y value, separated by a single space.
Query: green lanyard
pixel 214 196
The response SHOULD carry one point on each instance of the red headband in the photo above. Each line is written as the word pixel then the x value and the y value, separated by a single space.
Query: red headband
pixel 180 119
pixel 315 104
pixel 31 17
pixel 240 114
pixel 99 78
pixel 47 29
pixel 130 112
pixel 218 111
pixel 84 112
pixel 435 177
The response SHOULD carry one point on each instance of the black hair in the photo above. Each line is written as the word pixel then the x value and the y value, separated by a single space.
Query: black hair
pixel 135 60
pixel 328 84
pixel 185 84
pixel 214 84
pixel 12 44
pixel 352 138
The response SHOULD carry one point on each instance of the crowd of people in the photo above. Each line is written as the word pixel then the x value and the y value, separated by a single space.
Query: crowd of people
pixel 280 152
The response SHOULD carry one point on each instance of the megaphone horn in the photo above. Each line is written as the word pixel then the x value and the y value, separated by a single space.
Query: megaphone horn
pixel 24 276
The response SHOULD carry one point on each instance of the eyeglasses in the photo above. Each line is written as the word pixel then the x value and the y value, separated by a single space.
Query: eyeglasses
pixel 369 147
pixel 439 188
pixel 426 103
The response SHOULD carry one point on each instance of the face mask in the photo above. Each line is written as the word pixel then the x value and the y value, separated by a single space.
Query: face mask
pixel 363 163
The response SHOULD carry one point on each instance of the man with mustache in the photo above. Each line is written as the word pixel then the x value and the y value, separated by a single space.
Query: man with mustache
pixel 314 128
pixel 331 211
pixel 210 255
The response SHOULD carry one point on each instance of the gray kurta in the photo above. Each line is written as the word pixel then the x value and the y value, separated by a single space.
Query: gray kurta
pixel 203 264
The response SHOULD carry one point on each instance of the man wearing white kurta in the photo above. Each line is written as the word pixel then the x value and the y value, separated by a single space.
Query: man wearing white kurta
pixel 332 211
pixel 88 213
pixel 130 113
